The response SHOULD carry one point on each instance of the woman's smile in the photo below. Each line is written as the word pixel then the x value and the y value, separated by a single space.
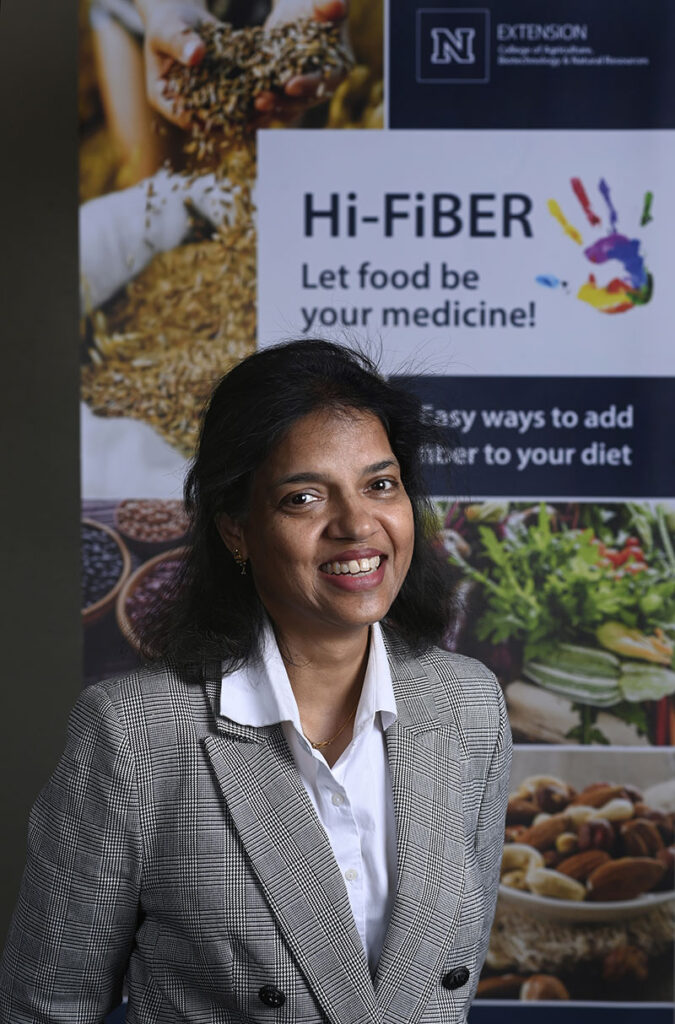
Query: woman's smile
pixel 355 571
pixel 354 563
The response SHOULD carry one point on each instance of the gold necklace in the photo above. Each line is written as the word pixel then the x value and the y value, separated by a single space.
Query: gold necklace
pixel 326 743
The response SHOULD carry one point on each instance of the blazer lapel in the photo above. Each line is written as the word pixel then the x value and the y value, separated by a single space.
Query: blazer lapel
pixel 292 858
pixel 426 776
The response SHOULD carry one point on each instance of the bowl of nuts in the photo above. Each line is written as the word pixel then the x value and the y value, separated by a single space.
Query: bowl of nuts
pixel 143 591
pixel 105 565
pixel 151 525
pixel 587 844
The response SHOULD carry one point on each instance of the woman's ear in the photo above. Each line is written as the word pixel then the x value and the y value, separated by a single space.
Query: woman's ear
pixel 231 534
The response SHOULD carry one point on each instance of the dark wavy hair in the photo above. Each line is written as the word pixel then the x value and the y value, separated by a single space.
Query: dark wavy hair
pixel 213 612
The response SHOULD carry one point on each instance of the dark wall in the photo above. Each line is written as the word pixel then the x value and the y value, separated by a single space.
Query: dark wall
pixel 39 513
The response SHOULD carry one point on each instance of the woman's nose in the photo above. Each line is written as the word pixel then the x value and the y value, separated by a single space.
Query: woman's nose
pixel 353 518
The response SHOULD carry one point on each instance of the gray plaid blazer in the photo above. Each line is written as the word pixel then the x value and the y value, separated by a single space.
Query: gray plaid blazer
pixel 180 850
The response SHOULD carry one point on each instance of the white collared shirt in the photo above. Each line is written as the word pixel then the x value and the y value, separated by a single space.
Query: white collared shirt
pixel 353 799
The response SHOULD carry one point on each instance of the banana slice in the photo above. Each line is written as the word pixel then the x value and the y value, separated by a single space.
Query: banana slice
pixel 616 810
pixel 579 813
pixel 520 857
pixel 546 882
pixel 532 783
pixel 516 879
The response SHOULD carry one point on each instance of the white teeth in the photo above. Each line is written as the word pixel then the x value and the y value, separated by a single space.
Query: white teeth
pixel 353 567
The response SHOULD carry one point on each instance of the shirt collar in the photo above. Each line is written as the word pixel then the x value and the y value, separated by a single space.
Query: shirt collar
pixel 259 693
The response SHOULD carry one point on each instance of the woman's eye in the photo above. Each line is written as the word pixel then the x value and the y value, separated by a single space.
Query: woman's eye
pixel 384 484
pixel 303 498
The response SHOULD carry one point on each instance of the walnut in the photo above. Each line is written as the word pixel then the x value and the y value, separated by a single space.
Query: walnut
pixel 596 834
pixel 667 858
pixel 512 833
pixel 625 963
pixel 552 798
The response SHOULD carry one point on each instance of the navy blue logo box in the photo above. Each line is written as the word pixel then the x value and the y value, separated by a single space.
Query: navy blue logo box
pixel 605 64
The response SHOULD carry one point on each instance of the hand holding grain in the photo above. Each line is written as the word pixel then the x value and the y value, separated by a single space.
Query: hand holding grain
pixel 172 36
pixel 303 91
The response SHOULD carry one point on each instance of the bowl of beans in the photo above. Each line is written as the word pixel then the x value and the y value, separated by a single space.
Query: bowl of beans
pixel 105 565
pixel 143 591
pixel 151 525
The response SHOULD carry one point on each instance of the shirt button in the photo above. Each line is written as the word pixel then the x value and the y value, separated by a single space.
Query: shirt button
pixel 351 874
pixel 337 799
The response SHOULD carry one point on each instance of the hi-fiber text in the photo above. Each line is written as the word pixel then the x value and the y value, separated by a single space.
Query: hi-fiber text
pixel 422 215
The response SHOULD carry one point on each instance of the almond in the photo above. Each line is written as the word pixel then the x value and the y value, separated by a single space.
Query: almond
pixel 598 794
pixel 624 879
pixel 503 986
pixel 545 833
pixel 543 987
pixel 520 811
pixel 580 865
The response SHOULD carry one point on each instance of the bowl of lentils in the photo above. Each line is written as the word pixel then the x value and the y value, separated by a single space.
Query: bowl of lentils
pixel 105 565
pixel 143 591
pixel 151 525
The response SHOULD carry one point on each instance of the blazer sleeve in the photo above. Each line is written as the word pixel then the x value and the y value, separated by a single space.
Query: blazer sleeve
pixel 490 827
pixel 74 925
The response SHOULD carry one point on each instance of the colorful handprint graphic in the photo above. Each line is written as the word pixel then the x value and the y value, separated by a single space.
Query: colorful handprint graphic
pixel 635 285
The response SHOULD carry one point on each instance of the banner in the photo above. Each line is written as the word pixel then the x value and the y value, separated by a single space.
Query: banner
pixel 493 217
pixel 486 252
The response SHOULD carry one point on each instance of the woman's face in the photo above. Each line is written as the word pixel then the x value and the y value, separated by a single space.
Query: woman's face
pixel 329 532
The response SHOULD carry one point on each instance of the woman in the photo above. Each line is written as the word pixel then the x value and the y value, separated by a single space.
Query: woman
pixel 297 815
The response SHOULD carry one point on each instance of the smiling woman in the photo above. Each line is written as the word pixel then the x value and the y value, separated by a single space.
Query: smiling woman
pixel 300 801
pixel 304 444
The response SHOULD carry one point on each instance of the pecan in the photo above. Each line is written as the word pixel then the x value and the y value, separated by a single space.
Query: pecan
pixel 640 838
pixel 664 822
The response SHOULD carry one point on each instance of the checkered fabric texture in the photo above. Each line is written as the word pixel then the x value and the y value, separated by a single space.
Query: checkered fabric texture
pixel 178 850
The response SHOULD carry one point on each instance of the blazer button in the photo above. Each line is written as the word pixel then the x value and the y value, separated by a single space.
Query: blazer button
pixel 455 978
pixel 271 996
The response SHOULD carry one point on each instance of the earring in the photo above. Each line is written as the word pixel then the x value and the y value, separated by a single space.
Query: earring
pixel 241 562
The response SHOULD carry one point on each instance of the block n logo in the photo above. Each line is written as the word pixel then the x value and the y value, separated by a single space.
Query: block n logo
pixel 457 46
pixel 453 44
